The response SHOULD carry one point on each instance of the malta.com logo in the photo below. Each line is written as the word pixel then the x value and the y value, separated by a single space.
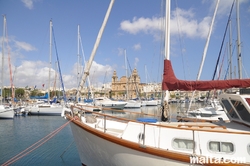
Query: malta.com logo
pixel 214 160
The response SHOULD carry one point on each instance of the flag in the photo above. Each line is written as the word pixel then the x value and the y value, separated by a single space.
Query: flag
pixel 43 85
pixel 35 87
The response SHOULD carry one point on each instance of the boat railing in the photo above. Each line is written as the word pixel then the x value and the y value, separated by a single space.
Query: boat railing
pixel 182 126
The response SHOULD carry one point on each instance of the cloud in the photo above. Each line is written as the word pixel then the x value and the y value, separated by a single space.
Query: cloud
pixel 136 61
pixel 224 6
pixel 137 46
pixel 137 25
pixel 25 46
pixel 100 74
pixel 31 73
pixel 120 51
pixel 28 3
pixel 182 21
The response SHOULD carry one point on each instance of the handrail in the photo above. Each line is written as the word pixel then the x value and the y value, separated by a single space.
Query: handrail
pixel 200 126
pixel 159 124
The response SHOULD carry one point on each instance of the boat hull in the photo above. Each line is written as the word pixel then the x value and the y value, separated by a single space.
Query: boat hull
pixel 46 111
pixel 94 150
pixel 133 104
pixel 7 113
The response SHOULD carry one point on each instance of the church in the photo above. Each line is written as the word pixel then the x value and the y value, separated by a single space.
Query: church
pixel 126 88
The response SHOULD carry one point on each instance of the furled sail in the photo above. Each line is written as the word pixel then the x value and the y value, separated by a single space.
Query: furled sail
pixel 170 82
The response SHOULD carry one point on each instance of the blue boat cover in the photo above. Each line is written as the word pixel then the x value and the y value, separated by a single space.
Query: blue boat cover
pixel 148 120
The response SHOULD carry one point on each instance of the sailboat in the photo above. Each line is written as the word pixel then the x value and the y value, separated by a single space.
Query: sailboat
pixel 48 108
pixel 130 102
pixel 102 139
pixel 6 112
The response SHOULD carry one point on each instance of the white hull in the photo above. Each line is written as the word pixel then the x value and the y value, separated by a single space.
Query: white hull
pixel 104 102
pixel 89 107
pixel 133 104
pixel 206 113
pixel 6 113
pixel 113 105
pixel 118 143
pixel 96 151
pixel 50 110
pixel 150 102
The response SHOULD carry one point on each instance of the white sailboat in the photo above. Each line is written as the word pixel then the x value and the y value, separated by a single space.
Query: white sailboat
pixel 103 139
pixel 104 102
pixel 6 112
pixel 53 109
pixel 130 102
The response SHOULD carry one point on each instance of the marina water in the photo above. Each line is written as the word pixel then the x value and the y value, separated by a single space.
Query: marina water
pixel 19 133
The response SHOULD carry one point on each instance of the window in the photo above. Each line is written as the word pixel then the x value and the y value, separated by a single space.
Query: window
pixel 230 109
pixel 184 144
pixel 242 111
pixel 225 147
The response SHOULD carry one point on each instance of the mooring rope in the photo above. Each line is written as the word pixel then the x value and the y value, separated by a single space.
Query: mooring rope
pixel 35 145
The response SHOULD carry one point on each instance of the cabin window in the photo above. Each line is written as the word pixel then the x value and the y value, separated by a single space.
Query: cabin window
pixel 226 147
pixel 229 109
pixel 242 111
pixel 184 144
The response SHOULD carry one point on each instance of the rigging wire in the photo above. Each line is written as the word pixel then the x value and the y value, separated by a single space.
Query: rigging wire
pixel 223 40
pixel 59 68
pixel 181 41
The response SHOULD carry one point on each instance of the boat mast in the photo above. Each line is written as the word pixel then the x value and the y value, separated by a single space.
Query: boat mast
pixel 78 54
pixel 167 39
pixel 80 71
pixel 79 68
pixel 239 41
pixel 98 39
pixel 205 51
pixel 11 79
pixel 230 49
pixel 208 39
pixel 50 52
pixel 165 106
pixel 126 68
pixel 4 25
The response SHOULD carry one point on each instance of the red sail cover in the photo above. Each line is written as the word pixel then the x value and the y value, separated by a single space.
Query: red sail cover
pixel 171 83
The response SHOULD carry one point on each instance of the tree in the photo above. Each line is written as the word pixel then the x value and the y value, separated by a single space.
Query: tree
pixel 19 93
pixel 34 92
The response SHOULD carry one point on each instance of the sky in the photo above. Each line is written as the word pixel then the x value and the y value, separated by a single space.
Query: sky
pixel 133 25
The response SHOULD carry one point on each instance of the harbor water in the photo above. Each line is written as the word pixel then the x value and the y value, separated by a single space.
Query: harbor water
pixel 32 138
pixel 20 133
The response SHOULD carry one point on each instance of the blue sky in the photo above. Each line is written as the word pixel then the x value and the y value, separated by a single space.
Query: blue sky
pixel 134 25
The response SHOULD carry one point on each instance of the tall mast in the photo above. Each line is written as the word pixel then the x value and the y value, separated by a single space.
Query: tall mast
pixel 50 53
pixel 98 39
pixel 230 49
pixel 208 39
pixel 11 79
pixel 78 53
pixel 126 68
pixel 167 38
pixel 4 25
pixel 239 41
